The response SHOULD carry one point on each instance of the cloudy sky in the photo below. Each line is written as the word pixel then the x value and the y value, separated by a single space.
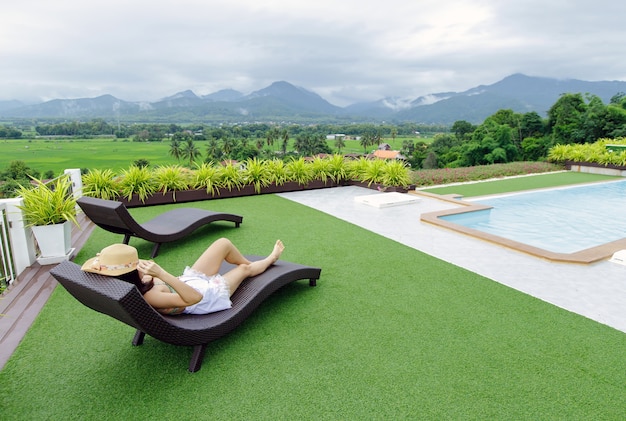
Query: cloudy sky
pixel 346 51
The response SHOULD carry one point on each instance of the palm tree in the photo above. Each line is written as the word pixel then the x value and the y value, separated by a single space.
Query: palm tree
pixel 228 144
pixel 190 151
pixel 271 135
pixel 285 137
pixel 175 149
pixel 213 150
pixel 302 141
pixel 366 140
pixel 340 143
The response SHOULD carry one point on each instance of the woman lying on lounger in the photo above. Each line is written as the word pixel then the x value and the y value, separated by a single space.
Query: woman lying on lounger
pixel 199 290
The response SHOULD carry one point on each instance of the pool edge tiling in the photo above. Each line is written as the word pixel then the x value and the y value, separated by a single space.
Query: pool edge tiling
pixel 586 256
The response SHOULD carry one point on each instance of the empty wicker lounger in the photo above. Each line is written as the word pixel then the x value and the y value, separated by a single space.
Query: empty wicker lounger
pixel 169 226
pixel 124 302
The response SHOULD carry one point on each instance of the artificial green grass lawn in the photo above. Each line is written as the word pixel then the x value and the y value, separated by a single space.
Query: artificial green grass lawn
pixel 509 185
pixel 388 333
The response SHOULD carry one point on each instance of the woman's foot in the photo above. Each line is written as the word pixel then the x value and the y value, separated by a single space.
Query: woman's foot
pixel 278 250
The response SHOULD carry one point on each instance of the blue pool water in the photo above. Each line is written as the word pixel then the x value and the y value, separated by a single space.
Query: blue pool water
pixel 563 220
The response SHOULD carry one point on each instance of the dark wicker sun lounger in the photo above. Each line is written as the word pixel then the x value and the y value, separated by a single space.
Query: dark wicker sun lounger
pixel 169 226
pixel 123 301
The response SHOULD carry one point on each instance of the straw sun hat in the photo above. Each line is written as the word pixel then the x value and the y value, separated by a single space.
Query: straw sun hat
pixel 113 260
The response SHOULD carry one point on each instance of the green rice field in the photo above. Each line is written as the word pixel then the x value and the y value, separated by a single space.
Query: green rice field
pixel 60 154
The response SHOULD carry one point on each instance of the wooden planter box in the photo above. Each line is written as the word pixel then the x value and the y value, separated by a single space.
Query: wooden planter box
pixel 184 196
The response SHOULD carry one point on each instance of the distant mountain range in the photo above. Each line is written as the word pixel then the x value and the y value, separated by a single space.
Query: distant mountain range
pixel 282 101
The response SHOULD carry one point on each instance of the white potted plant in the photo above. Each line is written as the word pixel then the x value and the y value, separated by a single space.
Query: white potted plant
pixel 49 209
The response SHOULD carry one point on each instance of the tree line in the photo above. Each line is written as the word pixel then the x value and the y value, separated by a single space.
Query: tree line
pixel 159 131
pixel 506 136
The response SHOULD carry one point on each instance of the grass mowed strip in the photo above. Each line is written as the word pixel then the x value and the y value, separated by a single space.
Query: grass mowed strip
pixel 515 184
pixel 388 333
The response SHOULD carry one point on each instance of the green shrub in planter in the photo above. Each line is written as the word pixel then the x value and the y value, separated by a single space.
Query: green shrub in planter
pixel 230 176
pixel 619 159
pixel 299 171
pixel 139 181
pixel 277 171
pixel 101 184
pixel 206 176
pixel 373 172
pixel 321 169
pixel 256 173
pixel 337 168
pixel 172 178
pixel 596 152
pixel 581 153
pixel 48 204
pixel 356 168
pixel 395 173
pixel 558 153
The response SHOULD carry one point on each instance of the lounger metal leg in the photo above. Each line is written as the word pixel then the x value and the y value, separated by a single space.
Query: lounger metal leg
pixel 312 282
pixel 126 238
pixel 155 250
pixel 197 357
pixel 138 339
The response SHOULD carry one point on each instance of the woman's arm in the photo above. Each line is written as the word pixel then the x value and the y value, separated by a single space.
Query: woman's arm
pixel 185 295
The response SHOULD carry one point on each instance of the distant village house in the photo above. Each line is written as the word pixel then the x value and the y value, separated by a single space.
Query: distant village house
pixel 384 152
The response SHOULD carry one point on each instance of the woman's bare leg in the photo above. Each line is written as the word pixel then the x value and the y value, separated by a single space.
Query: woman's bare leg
pixel 221 250
pixel 246 270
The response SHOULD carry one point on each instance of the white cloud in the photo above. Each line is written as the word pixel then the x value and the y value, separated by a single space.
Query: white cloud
pixel 345 51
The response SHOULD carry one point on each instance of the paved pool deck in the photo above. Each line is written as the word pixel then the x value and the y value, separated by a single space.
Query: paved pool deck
pixel 596 290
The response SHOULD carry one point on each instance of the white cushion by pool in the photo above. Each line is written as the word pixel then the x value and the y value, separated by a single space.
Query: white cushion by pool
pixel 619 257
pixel 383 200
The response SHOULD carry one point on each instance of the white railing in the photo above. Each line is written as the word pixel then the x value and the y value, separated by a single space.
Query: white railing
pixel 20 244
pixel 7 274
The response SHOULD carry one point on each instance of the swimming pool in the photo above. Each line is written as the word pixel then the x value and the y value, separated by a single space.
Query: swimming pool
pixel 561 221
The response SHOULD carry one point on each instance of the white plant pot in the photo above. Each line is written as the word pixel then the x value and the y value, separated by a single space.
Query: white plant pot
pixel 54 240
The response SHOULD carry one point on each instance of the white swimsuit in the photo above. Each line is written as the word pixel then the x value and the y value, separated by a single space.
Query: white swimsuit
pixel 214 290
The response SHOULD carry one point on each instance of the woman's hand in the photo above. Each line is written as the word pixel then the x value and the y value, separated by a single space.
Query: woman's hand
pixel 183 296
pixel 149 267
